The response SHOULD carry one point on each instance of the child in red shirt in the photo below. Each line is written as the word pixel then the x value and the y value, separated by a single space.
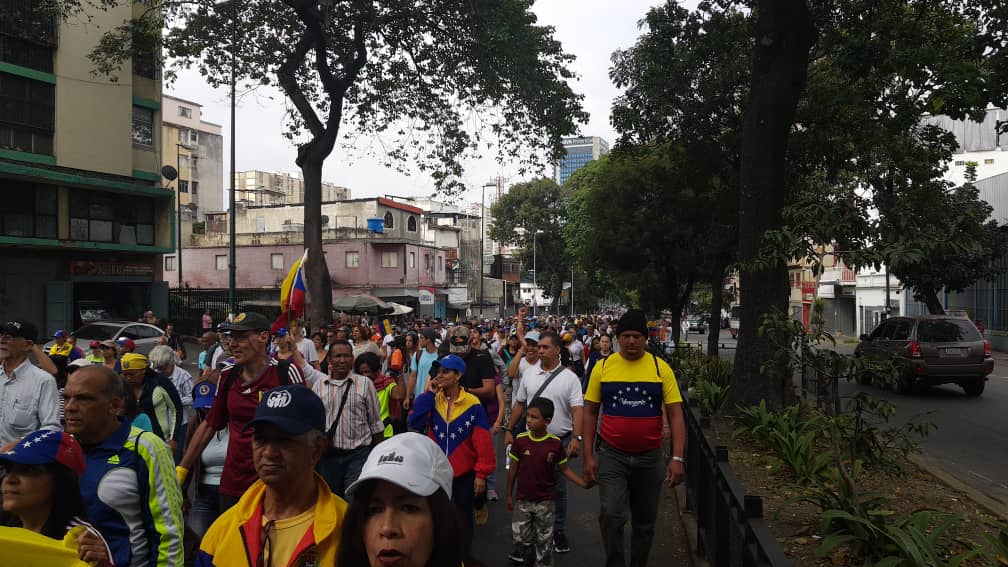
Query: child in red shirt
pixel 535 456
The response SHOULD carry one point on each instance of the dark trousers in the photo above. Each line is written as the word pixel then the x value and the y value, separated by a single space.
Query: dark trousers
pixel 560 510
pixel 629 486
pixel 340 468
pixel 463 497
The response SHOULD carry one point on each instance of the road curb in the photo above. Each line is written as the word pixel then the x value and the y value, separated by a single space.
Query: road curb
pixel 688 522
pixel 990 504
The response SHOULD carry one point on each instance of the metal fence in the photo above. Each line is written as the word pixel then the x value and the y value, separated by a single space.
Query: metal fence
pixel 730 527
pixel 187 305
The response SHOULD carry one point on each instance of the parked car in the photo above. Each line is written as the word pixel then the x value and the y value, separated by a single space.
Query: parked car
pixel 145 336
pixel 697 324
pixel 932 349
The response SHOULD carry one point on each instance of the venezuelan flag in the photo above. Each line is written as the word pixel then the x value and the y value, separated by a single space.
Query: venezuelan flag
pixel 292 295
pixel 383 327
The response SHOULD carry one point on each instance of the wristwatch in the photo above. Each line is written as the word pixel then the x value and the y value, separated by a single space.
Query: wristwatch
pixel 679 459
pixel 580 438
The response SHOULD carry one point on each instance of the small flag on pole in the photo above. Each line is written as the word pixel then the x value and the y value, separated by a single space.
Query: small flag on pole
pixel 292 295
pixel 383 327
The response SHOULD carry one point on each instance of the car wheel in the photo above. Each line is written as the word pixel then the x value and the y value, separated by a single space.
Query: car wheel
pixel 974 388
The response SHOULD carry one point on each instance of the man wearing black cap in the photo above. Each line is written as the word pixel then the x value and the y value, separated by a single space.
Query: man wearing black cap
pixel 289 516
pixel 29 393
pixel 631 387
pixel 240 389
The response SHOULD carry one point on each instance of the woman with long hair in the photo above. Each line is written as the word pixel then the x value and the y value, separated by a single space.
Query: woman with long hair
pixel 318 341
pixel 594 355
pixel 391 390
pixel 41 491
pixel 401 510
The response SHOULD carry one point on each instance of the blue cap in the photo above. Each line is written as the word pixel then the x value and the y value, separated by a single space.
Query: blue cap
pixel 44 446
pixel 281 332
pixel 60 334
pixel 293 408
pixel 452 362
pixel 203 395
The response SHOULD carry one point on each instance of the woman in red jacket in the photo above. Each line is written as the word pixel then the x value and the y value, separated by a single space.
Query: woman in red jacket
pixel 456 421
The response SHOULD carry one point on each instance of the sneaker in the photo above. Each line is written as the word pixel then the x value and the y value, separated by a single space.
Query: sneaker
pixel 517 556
pixel 492 495
pixel 560 543
pixel 481 516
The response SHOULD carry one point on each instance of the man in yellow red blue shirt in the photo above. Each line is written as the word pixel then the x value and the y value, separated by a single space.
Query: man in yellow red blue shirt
pixel 456 421
pixel 630 388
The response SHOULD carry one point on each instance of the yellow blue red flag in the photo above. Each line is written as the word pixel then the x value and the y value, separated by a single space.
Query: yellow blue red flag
pixel 292 295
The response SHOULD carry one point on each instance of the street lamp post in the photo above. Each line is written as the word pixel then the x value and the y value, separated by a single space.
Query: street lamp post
pixel 178 201
pixel 535 272
pixel 482 245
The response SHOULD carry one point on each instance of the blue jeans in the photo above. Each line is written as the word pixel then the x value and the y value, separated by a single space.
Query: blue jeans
pixel 628 482
pixel 340 468
pixel 205 508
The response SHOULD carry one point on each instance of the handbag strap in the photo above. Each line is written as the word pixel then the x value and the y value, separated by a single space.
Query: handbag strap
pixel 559 369
pixel 339 412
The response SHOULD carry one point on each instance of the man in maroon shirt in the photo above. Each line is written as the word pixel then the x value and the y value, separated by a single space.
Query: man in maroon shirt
pixel 239 390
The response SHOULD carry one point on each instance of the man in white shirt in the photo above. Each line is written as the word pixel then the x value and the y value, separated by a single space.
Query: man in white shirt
pixel 29 395
pixel 564 390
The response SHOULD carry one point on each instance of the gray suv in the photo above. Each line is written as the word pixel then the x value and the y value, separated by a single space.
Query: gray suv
pixel 933 349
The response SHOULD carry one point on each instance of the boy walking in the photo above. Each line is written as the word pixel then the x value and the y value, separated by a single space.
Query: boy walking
pixel 535 455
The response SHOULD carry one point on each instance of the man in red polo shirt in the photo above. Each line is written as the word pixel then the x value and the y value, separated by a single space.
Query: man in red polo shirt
pixel 239 390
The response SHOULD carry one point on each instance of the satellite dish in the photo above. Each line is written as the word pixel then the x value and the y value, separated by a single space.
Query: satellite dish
pixel 169 173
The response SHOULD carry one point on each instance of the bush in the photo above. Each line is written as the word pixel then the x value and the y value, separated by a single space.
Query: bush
pixel 793 435
pixel 710 396
pixel 715 371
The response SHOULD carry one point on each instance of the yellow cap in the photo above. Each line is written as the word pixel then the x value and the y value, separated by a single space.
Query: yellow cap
pixel 133 361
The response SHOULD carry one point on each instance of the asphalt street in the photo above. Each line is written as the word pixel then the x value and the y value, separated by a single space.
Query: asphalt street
pixel 970 441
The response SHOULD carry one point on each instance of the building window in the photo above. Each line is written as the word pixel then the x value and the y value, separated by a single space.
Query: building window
pixel 24 53
pixel 412 259
pixel 183 186
pixel 440 263
pixel 411 224
pixel 194 187
pixel 29 210
pixel 185 112
pixel 989 161
pixel 390 259
pixel 389 221
pixel 221 262
pixel 169 263
pixel 143 126
pixel 960 162
pixel 276 261
pixel 105 217
pixel 426 258
pixel 27 115
pixel 353 259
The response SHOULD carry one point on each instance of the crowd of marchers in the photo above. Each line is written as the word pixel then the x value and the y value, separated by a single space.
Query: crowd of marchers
pixel 362 443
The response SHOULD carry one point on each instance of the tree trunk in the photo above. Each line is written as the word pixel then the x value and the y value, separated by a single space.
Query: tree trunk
pixel 717 298
pixel 319 308
pixel 930 297
pixel 784 36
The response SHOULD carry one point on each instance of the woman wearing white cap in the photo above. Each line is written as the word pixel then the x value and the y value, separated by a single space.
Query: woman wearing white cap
pixel 401 513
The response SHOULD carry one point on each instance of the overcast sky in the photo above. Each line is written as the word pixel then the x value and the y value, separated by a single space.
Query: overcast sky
pixel 589 29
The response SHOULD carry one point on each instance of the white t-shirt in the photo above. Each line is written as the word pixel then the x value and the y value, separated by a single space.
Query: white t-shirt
pixel 564 391
pixel 576 350
pixel 307 348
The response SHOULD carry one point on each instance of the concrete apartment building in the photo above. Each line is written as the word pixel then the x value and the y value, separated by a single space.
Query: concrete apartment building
pixel 195 148
pixel 85 218
pixel 373 245
pixel 263 188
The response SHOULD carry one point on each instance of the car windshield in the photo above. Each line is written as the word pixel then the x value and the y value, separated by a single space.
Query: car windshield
pixel 946 331
pixel 96 332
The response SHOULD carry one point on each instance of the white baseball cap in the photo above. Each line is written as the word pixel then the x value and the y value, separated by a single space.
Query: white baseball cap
pixel 410 460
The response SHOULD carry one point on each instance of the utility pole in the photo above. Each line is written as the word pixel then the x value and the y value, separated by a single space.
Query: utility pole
pixel 232 263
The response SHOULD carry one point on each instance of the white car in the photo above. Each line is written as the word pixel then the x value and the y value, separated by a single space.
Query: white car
pixel 145 336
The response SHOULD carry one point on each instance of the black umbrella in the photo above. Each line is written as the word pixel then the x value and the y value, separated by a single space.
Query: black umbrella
pixel 362 304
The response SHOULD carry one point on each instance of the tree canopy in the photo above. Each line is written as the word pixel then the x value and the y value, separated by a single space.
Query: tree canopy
pixel 434 84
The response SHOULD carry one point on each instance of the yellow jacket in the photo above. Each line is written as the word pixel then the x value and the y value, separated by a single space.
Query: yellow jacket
pixel 234 539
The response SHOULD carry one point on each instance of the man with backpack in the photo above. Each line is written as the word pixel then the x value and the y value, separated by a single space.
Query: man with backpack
pixel 630 388
pixel 239 391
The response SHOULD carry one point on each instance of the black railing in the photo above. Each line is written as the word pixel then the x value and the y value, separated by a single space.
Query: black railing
pixel 730 527
pixel 187 305
pixel 29 20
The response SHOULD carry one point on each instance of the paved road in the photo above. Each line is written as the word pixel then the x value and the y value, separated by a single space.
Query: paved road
pixel 972 433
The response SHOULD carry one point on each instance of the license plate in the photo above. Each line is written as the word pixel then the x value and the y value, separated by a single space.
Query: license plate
pixel 953 352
